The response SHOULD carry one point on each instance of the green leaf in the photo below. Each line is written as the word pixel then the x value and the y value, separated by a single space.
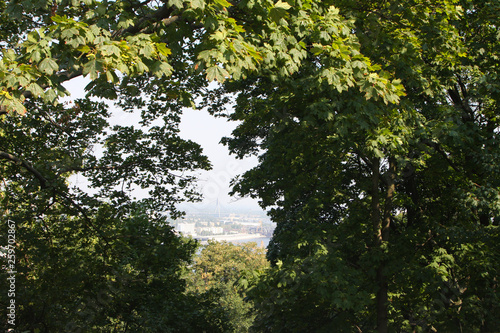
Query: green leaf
pixel 35 56
pixel 207 55
pixel 35 89
pixel 283 5
pixel 147 50
pixel 91 68
pixel 317 49
pixel 50 96
pixel 110 77
pixel 110 50
pixel 163 49
pixel 177 3
pixel 5 94
pixel 217 73
pixel 223 3
pixel 59 19
pixel 161 68
pixel 83 49
pixel 69 33
pixel 279 11
pixel 198 4
pixel 141 67
pixel 211 23
pixel 219 36
pixel 48 66
pixel 33 37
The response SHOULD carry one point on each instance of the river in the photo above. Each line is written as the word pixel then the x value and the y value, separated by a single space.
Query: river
pixel 238 239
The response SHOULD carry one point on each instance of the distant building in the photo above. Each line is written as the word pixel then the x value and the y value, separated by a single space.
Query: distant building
pixel 217 230
pixel 186 229
pixel 251 224
pixel 212 230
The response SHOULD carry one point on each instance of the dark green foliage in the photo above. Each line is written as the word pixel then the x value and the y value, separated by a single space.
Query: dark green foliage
pixel 386 203
pixel 103 261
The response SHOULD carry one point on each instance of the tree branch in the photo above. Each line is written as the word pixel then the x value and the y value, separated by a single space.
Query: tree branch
pixel 442 153
pixel 162 14
pixel 43 184
pixel 14 159
pixel 461 103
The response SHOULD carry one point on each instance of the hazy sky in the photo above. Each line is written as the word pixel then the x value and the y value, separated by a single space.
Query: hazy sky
pixel 199 126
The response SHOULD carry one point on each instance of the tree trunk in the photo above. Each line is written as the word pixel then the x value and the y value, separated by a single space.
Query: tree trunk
pixel 381 226
pixel 375 207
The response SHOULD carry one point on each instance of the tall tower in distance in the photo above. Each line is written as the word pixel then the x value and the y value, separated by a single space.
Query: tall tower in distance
pixel 217 207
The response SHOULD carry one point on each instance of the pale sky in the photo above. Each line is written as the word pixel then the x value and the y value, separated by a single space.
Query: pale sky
pixel 199 126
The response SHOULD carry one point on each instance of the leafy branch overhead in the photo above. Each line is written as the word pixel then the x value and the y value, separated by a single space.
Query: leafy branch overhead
pixel 107 41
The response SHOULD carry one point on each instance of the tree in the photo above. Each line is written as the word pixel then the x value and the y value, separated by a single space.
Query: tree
pixel 359 109
pixel 104 260
pixel 218 270
pixel 384 195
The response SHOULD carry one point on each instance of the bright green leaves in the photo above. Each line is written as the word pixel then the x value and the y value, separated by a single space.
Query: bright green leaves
pixel 131 56
pixel 101 40
pixel 223 3
pixel 279 11
pixel 177 3
pixel 5 94
pixel 17 78
pixel 282 5
pixel 73 33
pixel 357 70
pixel 343 64
pixel 71 47
pixel 231 57
pixel 327 38
pixel 198 4
pixel 163 49
pixel 111 50
pixel 35 89
pixel 380 87
pixel 227 52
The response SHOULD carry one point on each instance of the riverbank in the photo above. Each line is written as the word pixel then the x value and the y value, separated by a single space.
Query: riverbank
pixel 237 238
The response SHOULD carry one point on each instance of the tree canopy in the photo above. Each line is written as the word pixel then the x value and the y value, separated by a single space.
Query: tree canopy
pixel 218 270
pixel 376 126
pixel 379 161
pixel 103 260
